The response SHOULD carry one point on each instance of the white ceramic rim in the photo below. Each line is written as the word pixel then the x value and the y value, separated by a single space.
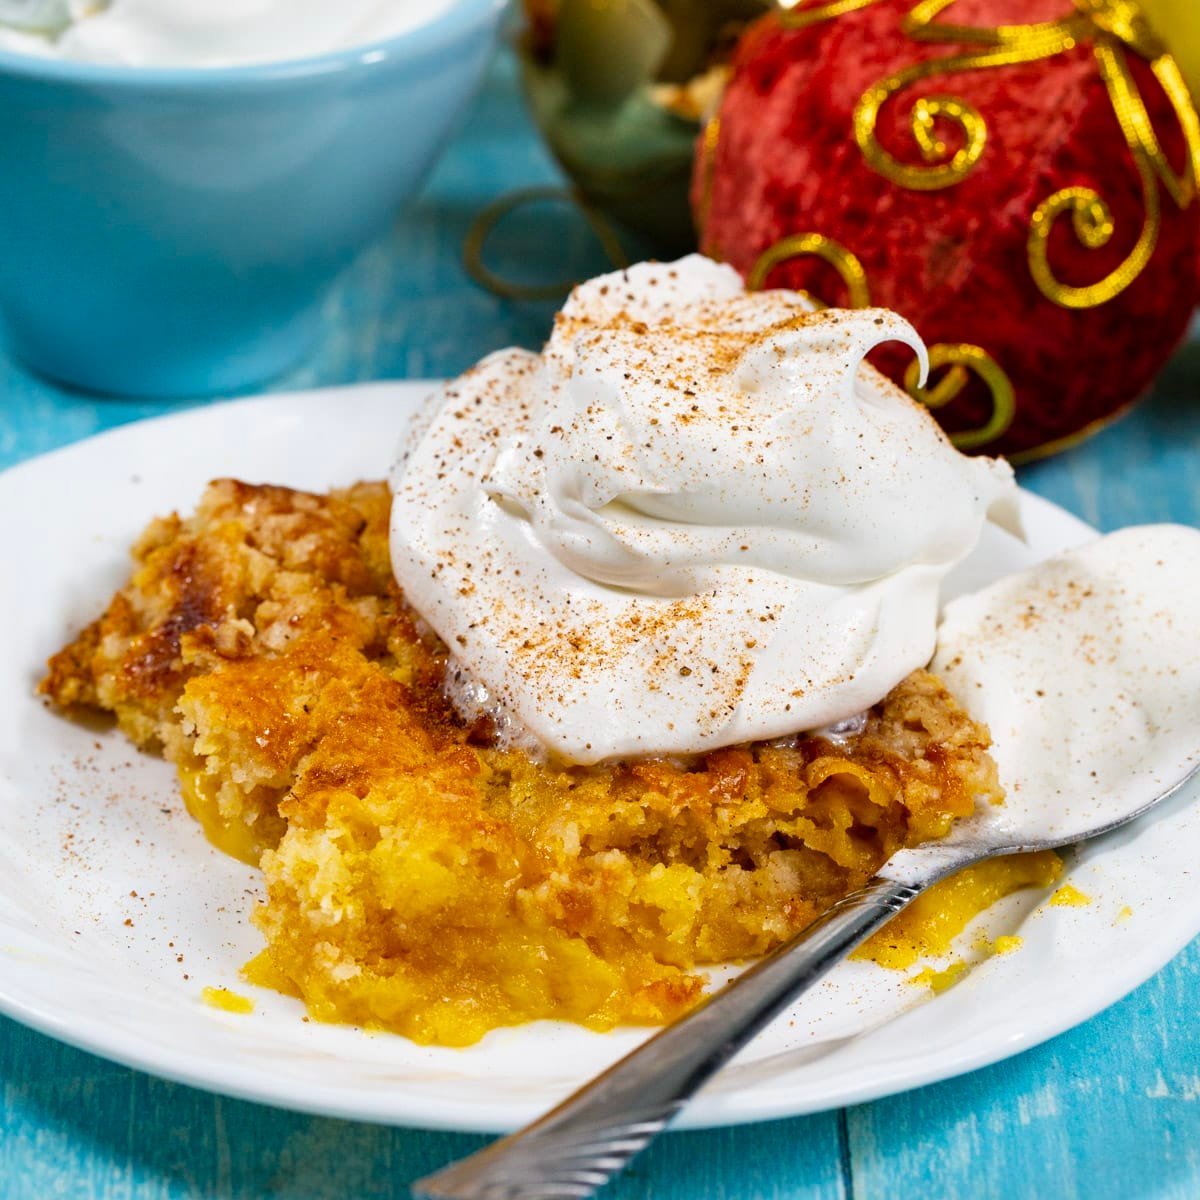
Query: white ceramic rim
pixel 1007 1031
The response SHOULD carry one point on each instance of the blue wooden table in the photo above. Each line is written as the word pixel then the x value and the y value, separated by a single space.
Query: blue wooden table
pixel 1111 1109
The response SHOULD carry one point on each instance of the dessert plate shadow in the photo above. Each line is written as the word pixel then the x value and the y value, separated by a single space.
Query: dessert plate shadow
pixel 115 913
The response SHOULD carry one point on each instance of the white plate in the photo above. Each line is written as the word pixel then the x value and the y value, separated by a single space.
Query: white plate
pixel 115 913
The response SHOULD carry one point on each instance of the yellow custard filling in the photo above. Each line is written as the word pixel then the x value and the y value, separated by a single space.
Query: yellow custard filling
pixel 227 1001
pixel 1069 896
pixel 231 834
pixel 928 927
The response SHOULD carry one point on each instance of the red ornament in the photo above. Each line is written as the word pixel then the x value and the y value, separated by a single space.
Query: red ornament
pixel 1017 177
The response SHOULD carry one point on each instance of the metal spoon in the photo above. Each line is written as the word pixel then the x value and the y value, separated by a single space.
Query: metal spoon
pixel 571 1152
pixel 1086 668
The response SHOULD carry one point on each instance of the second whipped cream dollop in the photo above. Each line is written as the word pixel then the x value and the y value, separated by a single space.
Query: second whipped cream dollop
pixel 697 519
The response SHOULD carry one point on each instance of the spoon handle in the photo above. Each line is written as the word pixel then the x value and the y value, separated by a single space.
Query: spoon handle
pixel 573 1150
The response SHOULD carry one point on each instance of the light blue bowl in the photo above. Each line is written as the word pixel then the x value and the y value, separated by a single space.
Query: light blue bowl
pixel 173 232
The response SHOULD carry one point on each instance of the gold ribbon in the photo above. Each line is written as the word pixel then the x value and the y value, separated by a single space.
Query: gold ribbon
pixel 494 213
pixel 1112 28
pixel 1091 218
pixel 799 245
pixel 1004 46
pixel 797 16
pixel 960 357
pixel 707 151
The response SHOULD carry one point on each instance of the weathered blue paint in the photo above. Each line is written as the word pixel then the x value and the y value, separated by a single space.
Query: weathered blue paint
pixel 1110 1111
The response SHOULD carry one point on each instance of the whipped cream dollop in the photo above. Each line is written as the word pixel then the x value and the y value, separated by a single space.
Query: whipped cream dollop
pixel 1086 669
pixel 203 33
pixel 698 518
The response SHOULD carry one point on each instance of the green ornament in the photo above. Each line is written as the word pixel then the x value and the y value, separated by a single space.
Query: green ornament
pixel 594 99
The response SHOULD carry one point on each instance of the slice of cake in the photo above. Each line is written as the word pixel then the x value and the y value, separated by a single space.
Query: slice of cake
pixel 421 879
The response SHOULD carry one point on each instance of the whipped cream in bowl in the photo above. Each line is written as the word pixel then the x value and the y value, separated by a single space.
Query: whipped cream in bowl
pixel 235 156
pixel 203 33
pixel 697 519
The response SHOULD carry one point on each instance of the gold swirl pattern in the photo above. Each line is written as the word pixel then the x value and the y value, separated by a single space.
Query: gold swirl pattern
pixel 921 25
pixel 1111 27
pixel 799 245
pixel 1004 46
pixel 800 15
pixel 961 358
pixel 710 136
pixel 1091 218
pixel 509 289
pixel 937 175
